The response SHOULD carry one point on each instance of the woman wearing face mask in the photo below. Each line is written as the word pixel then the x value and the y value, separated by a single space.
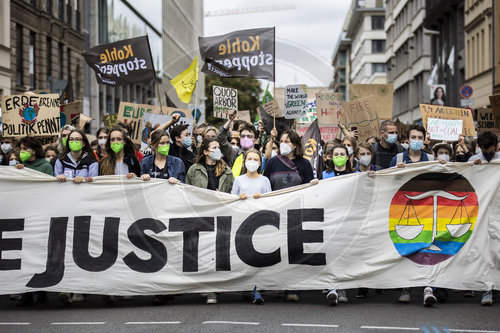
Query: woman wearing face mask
pixel 120 155
pixel 32 156
pixel 416 153
pixel 338 164
pixel 351 144
pixel 77 161
pixel 102 136
pixel 162 165
pixel 6 146
pixel 364 155
pixel 50 153
pixel 13 157
pixel 289 168
pixel 182 142
pixel 462 152
pixel 442 152
pixel 251 182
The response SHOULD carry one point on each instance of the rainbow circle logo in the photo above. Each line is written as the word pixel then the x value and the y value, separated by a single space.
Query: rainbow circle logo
pixel 432 216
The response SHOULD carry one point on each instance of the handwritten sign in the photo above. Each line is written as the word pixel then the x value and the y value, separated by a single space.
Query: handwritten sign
pixel 360 115
pixel 445 112
pixel 495 108
pixel 83 120
pixel 109 120
pixel 70 113
pixel 295 101
pixel 444 129
pixel 329 108
pixel 244 115
pixel 310 114
pixel 383 93
pixel 328 132
pixel 224 100
pixel 152 121
pixel 132 114
pixel 271 108
pixel 34 115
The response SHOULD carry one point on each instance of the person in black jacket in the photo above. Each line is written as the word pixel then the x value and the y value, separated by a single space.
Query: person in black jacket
pixel 182 141
pixel 120 155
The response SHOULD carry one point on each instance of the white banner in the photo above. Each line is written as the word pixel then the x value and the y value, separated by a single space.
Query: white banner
pixel 426 224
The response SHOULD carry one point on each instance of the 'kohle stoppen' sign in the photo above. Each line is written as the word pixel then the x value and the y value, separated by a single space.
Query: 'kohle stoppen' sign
pixel 122 63
pixel 244 53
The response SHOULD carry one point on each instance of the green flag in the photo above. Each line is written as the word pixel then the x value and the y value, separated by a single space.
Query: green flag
pixel 267 96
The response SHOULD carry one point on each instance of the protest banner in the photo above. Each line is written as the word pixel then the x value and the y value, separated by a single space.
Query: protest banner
pixel 445 112
pixel 295 101
pixel 183 113
pixel 132 114
pixel 495 107
pixel 271 108
pixel 328 132
pixel 244 53
pixel 151 121
pixel 70 113
pixel 224 100
pixel 444 129
pixel 485 120
pixel 360 115
pixel 383 93
pixel 313 152
pixel 109 120
pixel 244 115
pixel 83 120
pixel 208 241
pixel 329 108
pixel 34 115
pixel 310 114
pixel 122 63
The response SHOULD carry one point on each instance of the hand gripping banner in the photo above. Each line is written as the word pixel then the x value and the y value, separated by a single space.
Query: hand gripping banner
pixel 425 225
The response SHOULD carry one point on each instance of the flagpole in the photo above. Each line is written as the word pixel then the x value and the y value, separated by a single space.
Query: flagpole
pixel 154 72
pixel 274 97
pixel 196 103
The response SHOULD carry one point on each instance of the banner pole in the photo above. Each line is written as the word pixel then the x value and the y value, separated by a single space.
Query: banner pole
pixel 195 104
pixel 274 96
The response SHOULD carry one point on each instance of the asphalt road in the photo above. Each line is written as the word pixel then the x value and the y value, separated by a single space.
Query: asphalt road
pixel 188 313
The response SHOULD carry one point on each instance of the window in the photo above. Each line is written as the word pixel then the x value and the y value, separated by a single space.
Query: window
pixel 342 58
pixel 378 68
pixel 60 61
pixel 68 61
pixel 49 57
pixel 60 10
pixel 31 58
pixel 49 5
pixel 378 22
pixel 102 9
pixel 19 55
pixel 378 46
pixel 69 12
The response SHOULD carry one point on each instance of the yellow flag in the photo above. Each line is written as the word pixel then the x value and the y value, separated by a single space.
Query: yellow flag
pixel 185 82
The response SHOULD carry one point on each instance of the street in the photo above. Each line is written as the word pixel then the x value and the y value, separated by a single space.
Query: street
pixel 188 313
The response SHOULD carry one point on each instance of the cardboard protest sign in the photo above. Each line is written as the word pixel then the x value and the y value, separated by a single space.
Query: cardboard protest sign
pixel 122 63
pixel 383 94
pixel 244 115
pixel 70 113
pixel 295 101
pixel 271 108
pixel 360 115
pixel 495 108
pixel 152 121
pixel 329 108
pixel 244 53
pixel 109 120
pixel 444 129
pixel 34 115
pixel 183 113
pixel 132 113
pixel 486 121
pixel 224 100
pixel 82 120
pixel 445 112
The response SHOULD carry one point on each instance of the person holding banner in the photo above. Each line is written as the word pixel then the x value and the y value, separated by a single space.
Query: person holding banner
pixel 182 142
pixel 364 155
pixel 337 163
pixel 415 154
pixel 13 157
pixel 442 152
pixel 162 165
pixel 251 182
pixel 77 160
pixel 387 148
pixel 63 137
pixel 6 146
pixel 120 155
pixel 102 136
pixel 32 156
pixel 487 142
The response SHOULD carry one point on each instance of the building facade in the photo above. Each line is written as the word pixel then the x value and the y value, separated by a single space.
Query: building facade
pixel 5 70
pixel 46 43
pixel 496 48
pixel 365 28
pixel 408 55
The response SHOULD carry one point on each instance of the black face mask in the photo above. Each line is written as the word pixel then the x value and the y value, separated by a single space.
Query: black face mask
pixel 489 156
pixel 460 158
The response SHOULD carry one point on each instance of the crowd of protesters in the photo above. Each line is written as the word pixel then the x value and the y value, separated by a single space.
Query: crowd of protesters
pixel 240 159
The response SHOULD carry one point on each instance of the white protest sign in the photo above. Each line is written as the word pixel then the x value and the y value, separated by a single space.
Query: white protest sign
pixel 224 100
pixel 444 129
pixel 295 101
pixel 152 121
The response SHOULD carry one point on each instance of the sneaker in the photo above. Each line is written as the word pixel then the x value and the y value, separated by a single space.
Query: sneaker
pixel 342 296
pixel 65 299
pixel 469 293
pixel 77 298
pixel 405 296
pixel 211 298
pixel 257 297
pixel 487 298
pixel 332 297
pixel 429 298
pixel 108 299
pixel 292 297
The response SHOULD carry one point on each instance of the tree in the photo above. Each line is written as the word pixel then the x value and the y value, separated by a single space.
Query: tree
pixel 249 91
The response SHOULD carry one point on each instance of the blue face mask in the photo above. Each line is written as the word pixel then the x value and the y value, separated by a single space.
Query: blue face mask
pixel 416 145
pixel 12 163
pixel 392 138
pixel 187 142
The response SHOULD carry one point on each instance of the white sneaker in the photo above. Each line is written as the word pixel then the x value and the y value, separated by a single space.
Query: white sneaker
pixel 429 298
pixel 487 298
pixel 65 298
pixel 405 296
pixel 332 297
pixel 77 298
pixel 211 298
pixel 292 298
pixel 342 296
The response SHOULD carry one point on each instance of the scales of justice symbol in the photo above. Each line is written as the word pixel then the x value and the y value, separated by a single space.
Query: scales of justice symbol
pixel 411 231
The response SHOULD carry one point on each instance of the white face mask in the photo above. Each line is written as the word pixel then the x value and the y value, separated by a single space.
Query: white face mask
pixel 273 153
pixel 216 154
pixel 405 145
pixel 199 138
pixel 285 149
pixel 252 166
pixel 478 150
pixel 349 150
pixel 6 147
pixel 101 143
pixel 365 160
pixel 444 157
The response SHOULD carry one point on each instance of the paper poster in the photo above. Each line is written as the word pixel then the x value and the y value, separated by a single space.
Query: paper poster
pixel 444 129
pixel 271 108
pixel 152 121
pixel 224 100
pixel 445 112
pixel 360 115
pixel 132 113
pixel 329 108
pixel 70 113
pixel 383 93
pixel 295 101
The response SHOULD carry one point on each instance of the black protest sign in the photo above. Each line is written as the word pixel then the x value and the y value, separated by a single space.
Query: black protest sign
pixel 244 53
pixel 122 63
pixel 34 115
